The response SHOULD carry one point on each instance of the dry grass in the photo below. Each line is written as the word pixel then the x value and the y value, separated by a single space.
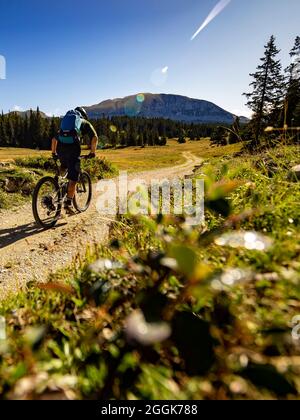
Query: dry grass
pixel 9 153
pixel 136 159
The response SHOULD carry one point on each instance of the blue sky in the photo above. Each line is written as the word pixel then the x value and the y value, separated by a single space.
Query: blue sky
pixel 60 54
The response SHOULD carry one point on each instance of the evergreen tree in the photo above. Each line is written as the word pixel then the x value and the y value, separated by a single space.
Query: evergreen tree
pixel 132 135
pixel 141 141
pixel 4 141
pixel 146 138
pixel 292 105
pixel 156 138
pixel 266 98
pixel 123 139
pixel 27 140
pixel 10 132
pixel 219 136
pixel 234 135
pixel 53 128
pixel 151 138
pixel 163 141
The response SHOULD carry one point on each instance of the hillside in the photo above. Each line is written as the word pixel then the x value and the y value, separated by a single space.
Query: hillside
pixel 174 107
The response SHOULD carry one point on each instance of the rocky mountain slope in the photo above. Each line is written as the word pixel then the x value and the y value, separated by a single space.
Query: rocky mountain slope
pixel 174 107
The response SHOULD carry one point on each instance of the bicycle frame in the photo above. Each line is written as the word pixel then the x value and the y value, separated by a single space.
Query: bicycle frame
pixel 62 182
pixel 62 179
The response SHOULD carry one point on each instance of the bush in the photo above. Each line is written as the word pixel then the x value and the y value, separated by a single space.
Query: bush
pixel 97 168
pixel 3 200
pixel 40 162
pixel 181 140
pixel 17 180
pixel 163 141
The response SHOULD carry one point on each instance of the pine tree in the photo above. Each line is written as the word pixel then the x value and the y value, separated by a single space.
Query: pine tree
pixel 141 140
pixel 27 136
pixel 4 140
pixel 268 90
pixel 151 138
pixel 53 128
pixel 163 141
pixel 292 114
pixel 123 138
pixel 10 132
pixel 234 134
pixel 156 138
pixel 146 138
pixel 219 136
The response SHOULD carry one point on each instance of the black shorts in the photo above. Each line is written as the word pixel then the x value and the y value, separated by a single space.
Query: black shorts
pixel 69 155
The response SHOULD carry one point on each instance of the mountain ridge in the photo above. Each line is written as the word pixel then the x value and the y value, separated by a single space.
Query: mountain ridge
pixel 149 105
pixel 169 106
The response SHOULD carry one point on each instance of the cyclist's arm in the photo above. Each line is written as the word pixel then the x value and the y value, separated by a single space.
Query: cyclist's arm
pixel 91 132
pixel 54 145
pixel 94 144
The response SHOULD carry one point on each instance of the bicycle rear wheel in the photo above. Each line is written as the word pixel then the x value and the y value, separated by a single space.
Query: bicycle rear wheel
pixel 46 203
pixel 83 196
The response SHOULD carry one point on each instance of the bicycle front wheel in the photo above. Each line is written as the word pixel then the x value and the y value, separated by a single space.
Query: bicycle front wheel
pixel 46 203
pixel 83 196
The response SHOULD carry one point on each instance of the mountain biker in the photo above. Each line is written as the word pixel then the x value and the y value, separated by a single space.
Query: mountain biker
pixel 66 148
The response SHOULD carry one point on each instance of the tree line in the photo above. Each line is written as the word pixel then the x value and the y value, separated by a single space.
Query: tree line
pixel 27 130
pixel 138 131
pixel 34 130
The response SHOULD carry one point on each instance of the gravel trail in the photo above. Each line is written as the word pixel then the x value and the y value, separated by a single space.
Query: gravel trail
pixel 28 253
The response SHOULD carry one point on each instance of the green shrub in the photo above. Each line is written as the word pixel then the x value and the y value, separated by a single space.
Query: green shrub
pixel 3 200
pixel 97 168
pixel 40 162
pixel 182 140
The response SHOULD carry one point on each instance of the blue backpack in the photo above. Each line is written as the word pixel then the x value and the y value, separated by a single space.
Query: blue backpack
pixel 70 128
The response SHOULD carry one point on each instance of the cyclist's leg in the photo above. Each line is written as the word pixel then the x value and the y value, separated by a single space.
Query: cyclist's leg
pixel 73 170
pixel 63 158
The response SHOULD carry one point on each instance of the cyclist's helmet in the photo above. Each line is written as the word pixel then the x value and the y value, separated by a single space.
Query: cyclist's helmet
pixel 83 112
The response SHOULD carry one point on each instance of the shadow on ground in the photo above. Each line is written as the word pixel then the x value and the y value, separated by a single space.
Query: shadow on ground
pixel 12 235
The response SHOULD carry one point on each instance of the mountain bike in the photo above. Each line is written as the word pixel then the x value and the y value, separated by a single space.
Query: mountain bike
pixel 50 193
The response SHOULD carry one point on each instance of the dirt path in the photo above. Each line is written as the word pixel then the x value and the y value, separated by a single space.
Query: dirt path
pixel 28 253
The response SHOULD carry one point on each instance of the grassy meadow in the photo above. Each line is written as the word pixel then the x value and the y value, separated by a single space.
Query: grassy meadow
pixel 136 158
pixel 28 166
pixel 8 154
